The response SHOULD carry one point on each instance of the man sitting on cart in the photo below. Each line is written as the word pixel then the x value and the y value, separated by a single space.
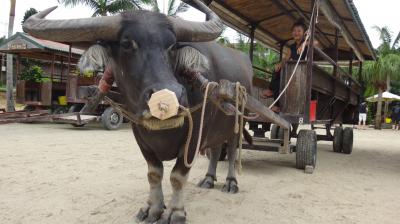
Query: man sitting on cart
pixel 299 30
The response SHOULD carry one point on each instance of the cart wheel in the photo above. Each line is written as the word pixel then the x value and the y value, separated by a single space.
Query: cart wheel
pixel 338 139
pixel 224 152
pixel 347 140
pixel 76 108
pixel 306 149
pixel 274 131
pixel 111 119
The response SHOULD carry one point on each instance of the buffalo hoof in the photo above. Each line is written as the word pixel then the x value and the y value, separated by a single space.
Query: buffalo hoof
pixel 230 186
pixel 173 217
pixel 207 182
pixel 149 214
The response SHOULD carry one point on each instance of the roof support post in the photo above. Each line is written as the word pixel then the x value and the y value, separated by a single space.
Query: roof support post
pixel 52 67
pixel 336 53
pixel 361 80
pixel 351 65
pixel 310 61
pixel 69 59
pixel 251 52
pixel 18 65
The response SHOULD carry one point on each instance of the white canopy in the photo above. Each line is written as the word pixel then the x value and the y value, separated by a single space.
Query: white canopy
pixel 386 96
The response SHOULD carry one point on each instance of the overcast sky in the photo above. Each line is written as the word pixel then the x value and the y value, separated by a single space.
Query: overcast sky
pixel 372 12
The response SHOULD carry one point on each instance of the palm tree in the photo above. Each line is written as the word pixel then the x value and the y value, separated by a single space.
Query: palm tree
pixel 386 50
pixel 387 46
pixel 10 81
pixel 376 74
pixel 29 13
pixel 172 7
pixel 105 7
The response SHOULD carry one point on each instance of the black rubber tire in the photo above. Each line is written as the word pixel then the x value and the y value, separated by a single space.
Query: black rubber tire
pixel 111 119
pixel 347 145
pixel 274 131
pixel 338 139
pixel 306 149
pixel 76 108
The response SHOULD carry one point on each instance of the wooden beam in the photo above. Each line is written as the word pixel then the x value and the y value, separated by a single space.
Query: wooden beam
pixel 52 67
pixel 248 20
pixel 336 56
pixel 69 60
pixel 251 53
pixel 310 61
pixel 333 16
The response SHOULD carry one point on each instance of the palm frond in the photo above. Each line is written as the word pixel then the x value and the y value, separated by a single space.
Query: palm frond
pixel 182 7
pixel 396 41
pixel 120 5
pixel 171 4
pixel 154 6
pixel 91 3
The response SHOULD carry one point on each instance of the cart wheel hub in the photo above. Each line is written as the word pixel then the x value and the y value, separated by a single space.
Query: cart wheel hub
pixel 114 117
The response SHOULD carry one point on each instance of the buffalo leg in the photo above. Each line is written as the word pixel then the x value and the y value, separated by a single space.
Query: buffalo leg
pixel 175 212
pixel 155 203
pixel 211 176
pixel 231 184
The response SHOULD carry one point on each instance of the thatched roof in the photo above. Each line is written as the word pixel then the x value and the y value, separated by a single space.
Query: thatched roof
pixel 273 20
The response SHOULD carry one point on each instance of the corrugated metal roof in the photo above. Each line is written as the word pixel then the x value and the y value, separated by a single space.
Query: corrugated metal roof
pixel 39 43
pixel 272 19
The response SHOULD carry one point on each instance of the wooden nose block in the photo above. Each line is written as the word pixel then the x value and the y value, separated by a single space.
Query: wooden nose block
pixel 163 104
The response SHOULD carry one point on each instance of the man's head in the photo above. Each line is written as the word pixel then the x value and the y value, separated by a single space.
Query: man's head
pixel 298 30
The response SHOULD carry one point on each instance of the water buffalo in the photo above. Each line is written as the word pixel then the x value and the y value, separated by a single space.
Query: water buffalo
pixel 149 52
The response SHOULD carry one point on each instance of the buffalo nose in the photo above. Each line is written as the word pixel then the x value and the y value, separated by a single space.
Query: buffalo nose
pixel 163 104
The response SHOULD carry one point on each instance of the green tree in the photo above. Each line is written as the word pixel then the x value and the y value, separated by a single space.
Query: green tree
pixel 106 7
pixel 389 45
pixel 29 13
pixel 263 57
pixel 2 39
pixel 172 8
pixel 375 73
pixel 380 73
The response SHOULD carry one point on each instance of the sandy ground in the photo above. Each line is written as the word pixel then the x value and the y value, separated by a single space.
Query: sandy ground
pixel 58 174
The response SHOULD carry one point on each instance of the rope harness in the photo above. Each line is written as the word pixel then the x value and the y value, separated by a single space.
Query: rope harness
pixel 208 87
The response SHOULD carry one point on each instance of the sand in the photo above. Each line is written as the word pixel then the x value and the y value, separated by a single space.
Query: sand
pixel 53 173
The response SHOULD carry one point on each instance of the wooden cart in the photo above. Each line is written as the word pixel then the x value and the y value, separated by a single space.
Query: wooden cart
pixel 314 96
pixel 80 88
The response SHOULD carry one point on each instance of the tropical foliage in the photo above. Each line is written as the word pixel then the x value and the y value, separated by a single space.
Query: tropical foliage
pixel 380 73
pixel 106 7
pixel 2 39
pixel 263 57
pixel 34 73
pixel 172 9
pixel 29 13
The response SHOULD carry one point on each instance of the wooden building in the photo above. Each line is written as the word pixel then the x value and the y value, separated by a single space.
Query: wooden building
pixel 57 61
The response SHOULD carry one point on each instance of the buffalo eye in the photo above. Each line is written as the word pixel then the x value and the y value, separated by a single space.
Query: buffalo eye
pixel 129 45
